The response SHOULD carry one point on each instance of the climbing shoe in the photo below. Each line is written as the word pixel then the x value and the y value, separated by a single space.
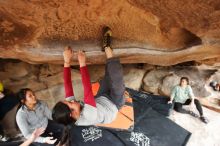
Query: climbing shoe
pixel 107 37
pixel 204 119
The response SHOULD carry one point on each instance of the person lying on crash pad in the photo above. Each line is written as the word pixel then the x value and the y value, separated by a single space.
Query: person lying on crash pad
pixel 101 109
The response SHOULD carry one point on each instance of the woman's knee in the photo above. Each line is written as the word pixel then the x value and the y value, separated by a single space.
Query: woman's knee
pixel 177 108
pixel 196 101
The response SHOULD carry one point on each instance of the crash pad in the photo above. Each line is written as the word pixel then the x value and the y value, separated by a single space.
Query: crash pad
pixel 125 116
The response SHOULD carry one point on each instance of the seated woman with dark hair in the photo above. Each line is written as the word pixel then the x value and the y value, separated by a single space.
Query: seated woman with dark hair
pixel 96 110
pixel 182 94
pixel 34 114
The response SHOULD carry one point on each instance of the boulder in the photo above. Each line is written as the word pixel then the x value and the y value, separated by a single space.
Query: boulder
pixel 153 80
pixel 96 72
pixel 133 77
pixel 168 83
pixel 47 70
pixel 16 70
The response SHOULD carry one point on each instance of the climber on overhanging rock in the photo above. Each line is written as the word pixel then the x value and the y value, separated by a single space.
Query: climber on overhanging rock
pixel 181 95
pixel 100 109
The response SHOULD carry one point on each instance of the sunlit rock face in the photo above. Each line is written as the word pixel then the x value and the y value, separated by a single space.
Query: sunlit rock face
pixel 164 32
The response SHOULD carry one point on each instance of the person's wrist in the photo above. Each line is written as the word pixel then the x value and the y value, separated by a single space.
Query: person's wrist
pixel 82 64
pixel 67 62
pixel 31 139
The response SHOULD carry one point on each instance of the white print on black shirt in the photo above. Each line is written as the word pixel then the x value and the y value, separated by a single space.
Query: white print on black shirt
pixel 139 139
pixel 91 133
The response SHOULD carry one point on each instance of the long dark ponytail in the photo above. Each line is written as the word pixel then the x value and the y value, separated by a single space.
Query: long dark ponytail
pixel 65 139
pixel 61 114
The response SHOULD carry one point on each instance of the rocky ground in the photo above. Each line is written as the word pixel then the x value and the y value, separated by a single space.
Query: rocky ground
pixel 202 134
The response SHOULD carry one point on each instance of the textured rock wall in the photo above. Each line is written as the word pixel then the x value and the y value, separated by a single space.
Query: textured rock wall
pixel 47 79
pixel 161 32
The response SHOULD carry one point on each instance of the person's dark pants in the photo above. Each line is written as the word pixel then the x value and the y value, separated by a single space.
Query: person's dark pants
pixel 112 85
pixel 178 106
pixel 1 130
pixel 42 144
pixel 15 144
pixel 54 130
pixel 11 143
pixel 7 103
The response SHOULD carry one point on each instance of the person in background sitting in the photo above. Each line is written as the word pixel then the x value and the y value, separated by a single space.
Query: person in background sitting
pixel 34 114
pixel 181 95
pixel 8 101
